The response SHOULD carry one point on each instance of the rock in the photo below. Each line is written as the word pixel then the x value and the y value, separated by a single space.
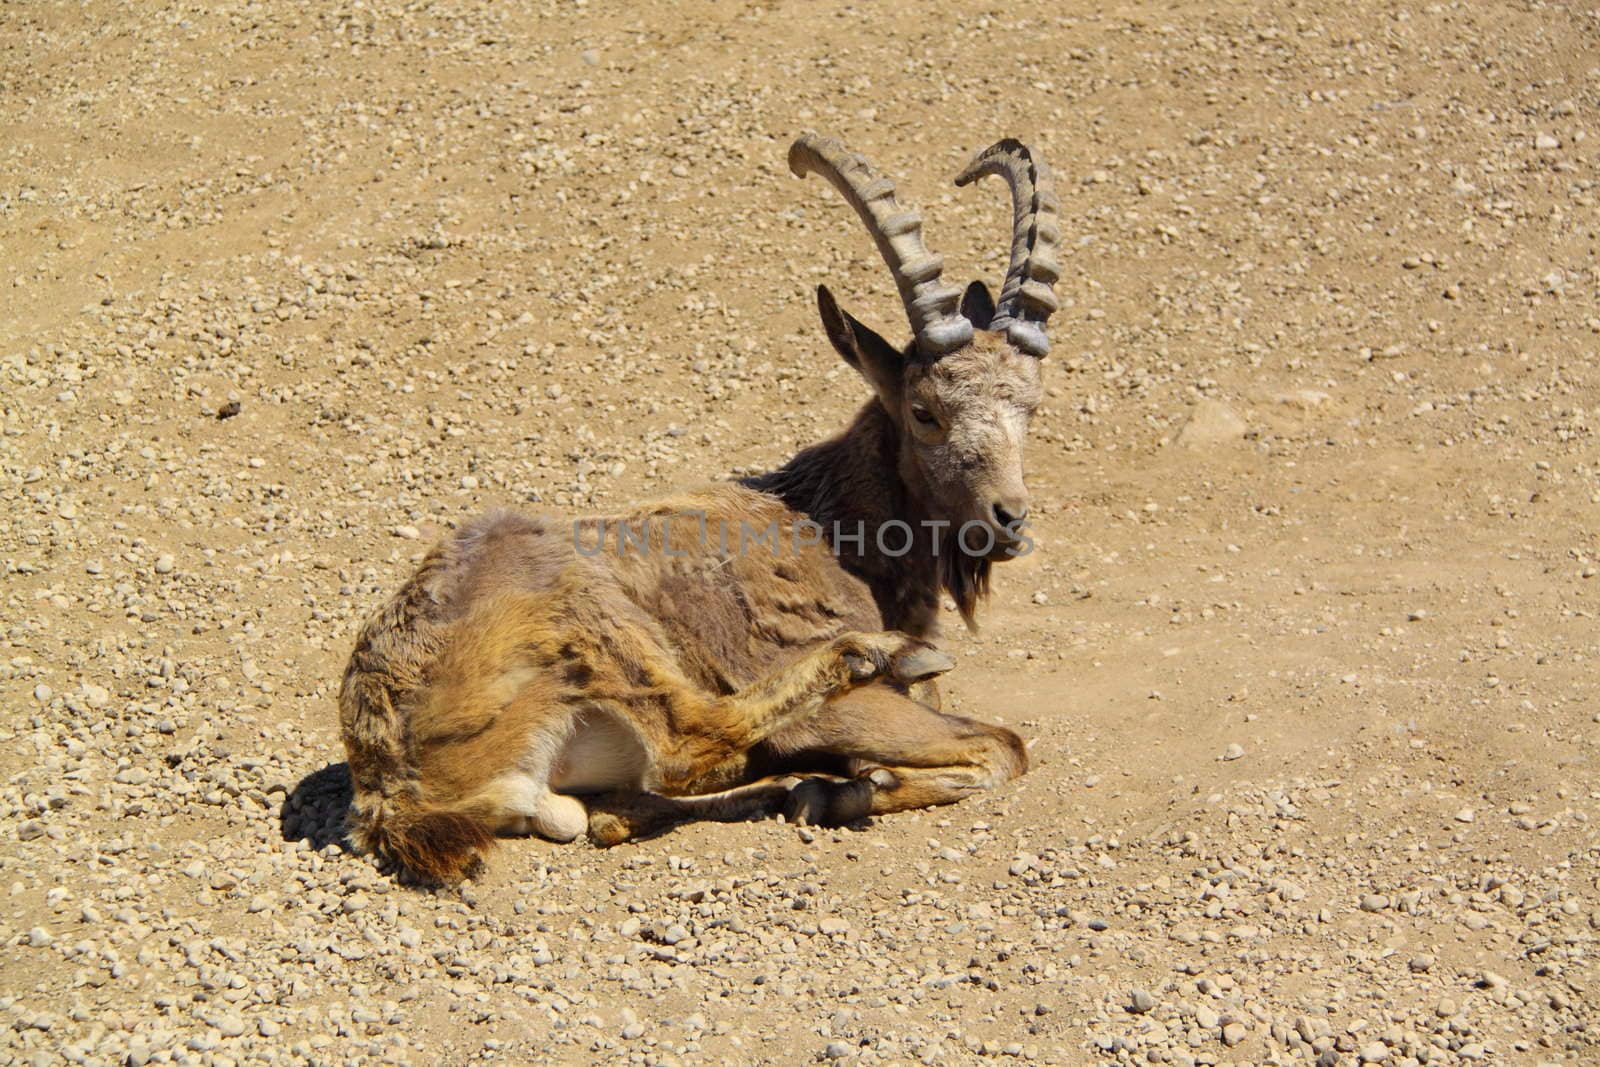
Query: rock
pixel 1465 815
pixel 1211 422
pixel 165 563
pixel 1140 1002
pixel 1374 1052
pixel 1233 752
pixel 1234 1033
pixel 836 1050
pixel 1545 143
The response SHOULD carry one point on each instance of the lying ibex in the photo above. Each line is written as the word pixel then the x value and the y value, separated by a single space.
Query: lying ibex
pixel 532 678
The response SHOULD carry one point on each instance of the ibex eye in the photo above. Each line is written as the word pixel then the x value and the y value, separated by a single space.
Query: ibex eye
pixel 924 416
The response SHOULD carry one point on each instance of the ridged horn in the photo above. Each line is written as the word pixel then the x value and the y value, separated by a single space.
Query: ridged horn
pixel 1026 298
pixel 936 322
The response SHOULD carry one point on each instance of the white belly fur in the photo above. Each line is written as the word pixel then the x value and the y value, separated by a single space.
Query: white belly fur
pixel 601 754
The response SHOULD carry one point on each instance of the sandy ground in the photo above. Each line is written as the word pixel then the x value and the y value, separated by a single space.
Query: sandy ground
pixel 1307 655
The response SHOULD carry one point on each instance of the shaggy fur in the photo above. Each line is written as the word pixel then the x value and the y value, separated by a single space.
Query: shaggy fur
pixel 535 677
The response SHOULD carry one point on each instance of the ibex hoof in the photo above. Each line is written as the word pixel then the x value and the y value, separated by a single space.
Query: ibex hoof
pixel 919 664
pixel 605 829
pixel 829 802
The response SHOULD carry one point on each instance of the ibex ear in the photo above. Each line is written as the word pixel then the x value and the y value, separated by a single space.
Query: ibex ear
pixel 874 358
pixel 977 306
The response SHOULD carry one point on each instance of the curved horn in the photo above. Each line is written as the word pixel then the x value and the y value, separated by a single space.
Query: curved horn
pixel 1026 299
pixel 932 308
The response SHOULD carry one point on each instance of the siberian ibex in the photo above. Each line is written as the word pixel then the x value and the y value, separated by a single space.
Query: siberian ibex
pixel 534 677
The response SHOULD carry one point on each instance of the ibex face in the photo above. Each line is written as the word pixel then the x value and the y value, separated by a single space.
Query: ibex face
pixel 961 420
pixel 962 391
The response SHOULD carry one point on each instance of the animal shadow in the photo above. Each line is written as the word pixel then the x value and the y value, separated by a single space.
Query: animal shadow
pixel 314 811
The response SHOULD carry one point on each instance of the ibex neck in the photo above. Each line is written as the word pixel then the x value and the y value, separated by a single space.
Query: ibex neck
pixel 850 485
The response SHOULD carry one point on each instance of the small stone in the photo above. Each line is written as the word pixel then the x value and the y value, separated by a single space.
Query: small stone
pixel 1374 902
pixel 674 934
pixel 43 693
pixel 39 937
pixel 1376 1052
pixel 1421 964
pixel 1545 143
pixel 230 1026
pixel 833 925
pixel 1233 752
pixel 1465 815
pixel 410 533
pixel 29 830
pixel 1234 1033
pixel 633 1031
pixel 1446 1008
pixel 165 563
pixel 1140 1001
pixel 836 1050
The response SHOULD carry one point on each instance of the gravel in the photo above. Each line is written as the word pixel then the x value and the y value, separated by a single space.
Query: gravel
pixel 292 289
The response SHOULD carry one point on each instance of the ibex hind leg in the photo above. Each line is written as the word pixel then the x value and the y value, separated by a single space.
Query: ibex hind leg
pixel 618 817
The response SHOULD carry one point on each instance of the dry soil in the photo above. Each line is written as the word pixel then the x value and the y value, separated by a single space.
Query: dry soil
pixel 1307 654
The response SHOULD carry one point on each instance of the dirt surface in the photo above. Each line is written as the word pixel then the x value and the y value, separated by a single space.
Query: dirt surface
pixel 1307 654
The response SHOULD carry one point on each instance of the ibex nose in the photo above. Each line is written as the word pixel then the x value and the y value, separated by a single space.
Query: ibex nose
pixel 1007 513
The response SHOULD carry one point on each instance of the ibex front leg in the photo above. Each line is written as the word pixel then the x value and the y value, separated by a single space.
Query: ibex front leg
pixel 705 736
pixel 704 733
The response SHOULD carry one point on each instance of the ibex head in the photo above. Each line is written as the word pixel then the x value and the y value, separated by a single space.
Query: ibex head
pixel 962 390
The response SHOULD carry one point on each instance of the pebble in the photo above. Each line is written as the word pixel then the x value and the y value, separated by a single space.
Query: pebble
pixel 1140 1001
pixel 165 563
pixel 1233 752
